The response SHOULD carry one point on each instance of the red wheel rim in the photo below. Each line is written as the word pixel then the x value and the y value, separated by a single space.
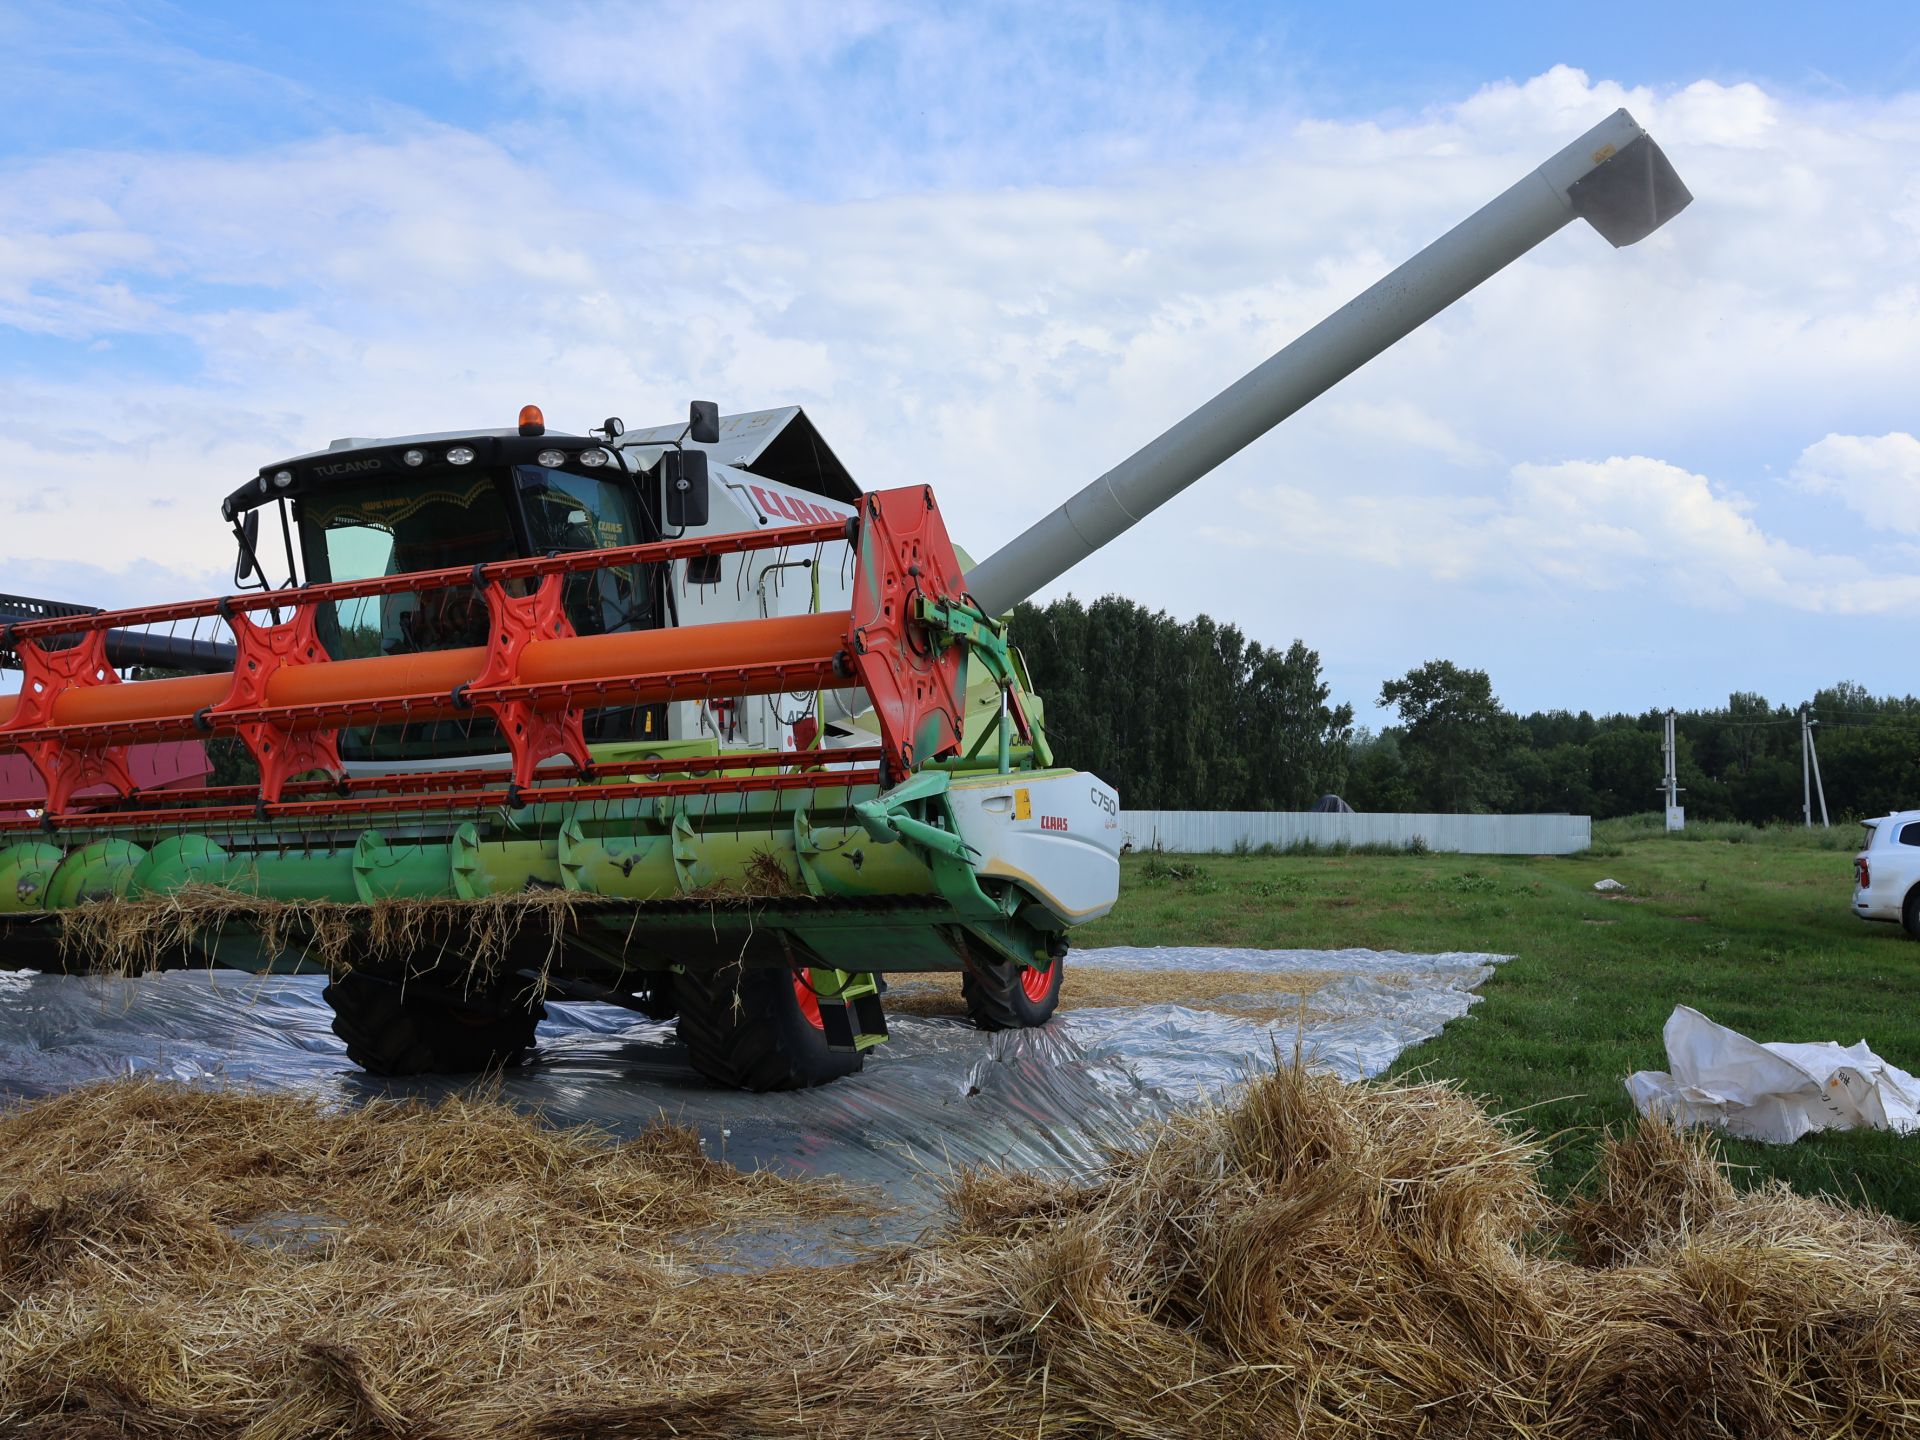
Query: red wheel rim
pixel 1035 983
pixel 808 1001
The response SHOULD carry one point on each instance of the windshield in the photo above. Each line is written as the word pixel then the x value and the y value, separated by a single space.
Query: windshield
pixel 366 530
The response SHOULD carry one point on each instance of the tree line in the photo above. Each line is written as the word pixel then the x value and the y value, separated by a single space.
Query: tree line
pixel 1182 715
pixel 1192 715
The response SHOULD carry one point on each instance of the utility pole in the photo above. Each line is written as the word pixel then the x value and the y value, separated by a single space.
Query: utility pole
pixel 1810 772
pixel 1676 817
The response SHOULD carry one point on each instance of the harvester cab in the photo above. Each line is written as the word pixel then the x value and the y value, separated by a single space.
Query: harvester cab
pixel 366 509
pixel 678 719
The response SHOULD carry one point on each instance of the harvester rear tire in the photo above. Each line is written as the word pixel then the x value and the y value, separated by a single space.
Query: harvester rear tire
pixel 748 1029
pixel 1001 995
pixel 421 1029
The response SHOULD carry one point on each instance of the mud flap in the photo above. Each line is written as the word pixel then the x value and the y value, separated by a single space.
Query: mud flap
pixel 850 1009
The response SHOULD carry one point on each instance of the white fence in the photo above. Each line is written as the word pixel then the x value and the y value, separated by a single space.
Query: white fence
pixel 1212 832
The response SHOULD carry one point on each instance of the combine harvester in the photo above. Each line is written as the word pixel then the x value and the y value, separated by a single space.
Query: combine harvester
pixel 678 719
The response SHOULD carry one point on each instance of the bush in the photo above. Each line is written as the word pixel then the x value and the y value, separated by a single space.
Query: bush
pixel 1158 867
pixel 1629 829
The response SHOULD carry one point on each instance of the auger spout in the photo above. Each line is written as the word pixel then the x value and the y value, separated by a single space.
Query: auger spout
pixel 1615 177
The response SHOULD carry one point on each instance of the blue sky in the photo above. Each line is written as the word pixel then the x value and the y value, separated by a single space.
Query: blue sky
pixel 116 74
pixel 996 247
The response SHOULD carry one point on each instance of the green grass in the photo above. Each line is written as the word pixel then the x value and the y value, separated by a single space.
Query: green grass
pixel 1752 927
pixel 1610 835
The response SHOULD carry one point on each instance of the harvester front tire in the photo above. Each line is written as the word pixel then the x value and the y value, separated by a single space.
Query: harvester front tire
pixel 1001 995
pixel 419 1029
pixel 749 1030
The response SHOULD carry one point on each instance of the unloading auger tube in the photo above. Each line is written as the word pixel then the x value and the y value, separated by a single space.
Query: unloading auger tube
pixel 1614 177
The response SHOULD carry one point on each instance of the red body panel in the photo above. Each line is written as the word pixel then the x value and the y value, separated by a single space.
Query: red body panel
pixel 166 765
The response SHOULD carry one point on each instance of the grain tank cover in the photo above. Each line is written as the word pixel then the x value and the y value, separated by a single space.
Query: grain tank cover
pixel 780 445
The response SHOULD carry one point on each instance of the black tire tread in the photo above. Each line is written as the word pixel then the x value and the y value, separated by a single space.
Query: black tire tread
pixel 734 1036
pixel 994 999
pixel 420 1030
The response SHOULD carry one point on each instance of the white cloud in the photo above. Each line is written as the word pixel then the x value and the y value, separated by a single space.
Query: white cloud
pixel 1579 526
pixel 1405 425
pixel 849 98
pixel 1006 306
pixel 1875 476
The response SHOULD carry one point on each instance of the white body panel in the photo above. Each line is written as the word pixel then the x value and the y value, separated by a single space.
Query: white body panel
pixel 1892 859
pixel 1056 836
pixel 755 585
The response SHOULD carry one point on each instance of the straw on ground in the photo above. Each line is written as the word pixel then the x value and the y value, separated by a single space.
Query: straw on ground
pixel 1319 1259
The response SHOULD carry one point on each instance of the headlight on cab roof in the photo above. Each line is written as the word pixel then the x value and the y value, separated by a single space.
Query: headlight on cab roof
pixel 552 459
pixel 593 459
pixel 460 455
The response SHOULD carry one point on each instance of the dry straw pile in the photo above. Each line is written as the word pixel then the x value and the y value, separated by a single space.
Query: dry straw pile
pixel 1319 1259
pixel 132 937
pixel 120 936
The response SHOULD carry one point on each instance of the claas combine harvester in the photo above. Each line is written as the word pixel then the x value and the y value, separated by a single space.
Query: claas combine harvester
pixel 678 719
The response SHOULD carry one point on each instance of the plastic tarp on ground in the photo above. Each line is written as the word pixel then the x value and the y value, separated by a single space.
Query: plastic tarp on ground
pixel 939 1094
pixel 1775 1091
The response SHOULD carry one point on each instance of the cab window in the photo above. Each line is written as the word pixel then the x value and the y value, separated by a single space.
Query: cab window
pixel 362 532
pixel 583 512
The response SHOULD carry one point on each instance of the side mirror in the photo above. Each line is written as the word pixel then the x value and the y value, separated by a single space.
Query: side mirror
pixel 683 482
pixel 703 422
pixel 248 534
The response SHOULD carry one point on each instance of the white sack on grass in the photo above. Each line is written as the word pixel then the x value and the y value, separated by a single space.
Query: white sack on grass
pixel 1775 1092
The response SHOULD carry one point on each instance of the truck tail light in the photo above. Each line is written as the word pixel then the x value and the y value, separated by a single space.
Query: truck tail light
pixel 1861 873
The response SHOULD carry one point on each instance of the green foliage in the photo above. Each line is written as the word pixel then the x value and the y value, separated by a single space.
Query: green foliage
pixel 1454 735
pixel 1183 715
pixel 1738 766
pixel 232 763
pixel 1790 835
pixel 1377 777
pixel 1158 867
pixel 1194 716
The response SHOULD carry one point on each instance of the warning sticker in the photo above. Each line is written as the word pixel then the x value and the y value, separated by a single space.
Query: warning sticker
pixel 1022 805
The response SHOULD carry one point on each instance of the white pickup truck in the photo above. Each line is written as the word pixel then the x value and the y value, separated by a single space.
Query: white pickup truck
pixel 1886 872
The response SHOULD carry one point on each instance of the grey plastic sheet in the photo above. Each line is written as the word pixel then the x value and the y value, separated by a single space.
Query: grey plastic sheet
pixel 938 1096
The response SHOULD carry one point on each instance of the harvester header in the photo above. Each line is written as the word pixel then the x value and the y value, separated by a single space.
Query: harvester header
pixel 288 700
